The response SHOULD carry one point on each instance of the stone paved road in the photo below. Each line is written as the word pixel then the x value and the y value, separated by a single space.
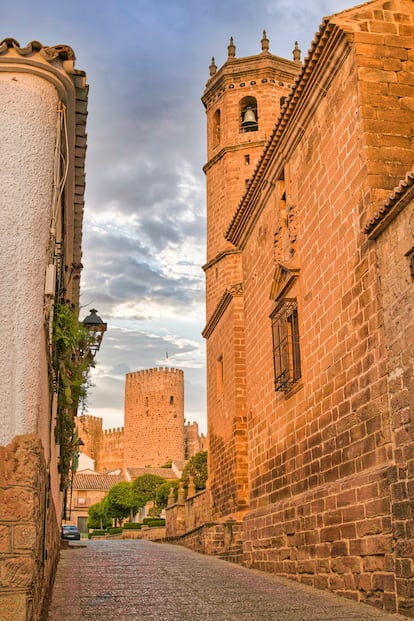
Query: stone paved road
pixel 140 580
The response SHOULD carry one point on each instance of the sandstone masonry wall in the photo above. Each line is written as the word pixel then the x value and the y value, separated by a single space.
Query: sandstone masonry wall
pixel 154 417
pixel 330 453
pixel 232 158
pixel 112 450
pixel 395 247
pixel 90 431
pixel 29 532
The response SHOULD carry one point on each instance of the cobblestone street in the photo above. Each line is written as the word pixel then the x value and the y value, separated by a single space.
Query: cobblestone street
pixel 125 580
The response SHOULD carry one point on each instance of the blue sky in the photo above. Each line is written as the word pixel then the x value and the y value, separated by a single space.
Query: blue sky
pixel 144 230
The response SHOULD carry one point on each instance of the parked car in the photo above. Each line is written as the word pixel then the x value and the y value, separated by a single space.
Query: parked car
pixel 70 531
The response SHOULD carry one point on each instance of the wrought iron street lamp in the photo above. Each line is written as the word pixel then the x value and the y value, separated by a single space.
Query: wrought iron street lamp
pixel 96 328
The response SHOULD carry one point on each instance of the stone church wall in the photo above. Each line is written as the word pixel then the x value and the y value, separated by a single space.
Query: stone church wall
pixel 330 451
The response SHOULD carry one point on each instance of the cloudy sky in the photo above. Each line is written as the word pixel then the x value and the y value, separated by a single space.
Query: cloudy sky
pixel 144 232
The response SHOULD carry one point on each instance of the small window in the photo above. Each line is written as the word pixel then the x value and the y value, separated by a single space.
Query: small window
pixel 286 350
pixel 220 375
pixel 216 128
pixel 247 159
pixel 171 400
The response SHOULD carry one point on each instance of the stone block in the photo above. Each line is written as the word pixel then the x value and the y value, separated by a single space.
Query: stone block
pixel 18 572
pixel 13 606
pixel 5 538
pixel 24 537
pixel 16 504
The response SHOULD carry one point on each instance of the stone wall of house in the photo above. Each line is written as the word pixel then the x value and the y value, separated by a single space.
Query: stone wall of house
pixel 43 108
pixel 29 532
pixel 154 417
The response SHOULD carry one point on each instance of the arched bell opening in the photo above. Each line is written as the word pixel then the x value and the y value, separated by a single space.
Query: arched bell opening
pixel 216 128
pixel 248 115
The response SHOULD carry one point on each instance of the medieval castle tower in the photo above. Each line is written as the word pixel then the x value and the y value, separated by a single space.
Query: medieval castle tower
pixel 154 417
pixel 242 102
pixel 155 431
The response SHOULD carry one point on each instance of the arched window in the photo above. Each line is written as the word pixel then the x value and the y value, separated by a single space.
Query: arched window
pixel 248 115
pixel 216 128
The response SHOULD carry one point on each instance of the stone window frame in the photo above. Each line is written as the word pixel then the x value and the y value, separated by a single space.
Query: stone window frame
pixel 286 345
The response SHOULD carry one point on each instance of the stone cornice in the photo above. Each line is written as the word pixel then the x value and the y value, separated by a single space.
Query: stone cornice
pixel 328 53
pixel 235 290
pixel 230 149
pixel 219 257
pixel 236 70
pixel 401 196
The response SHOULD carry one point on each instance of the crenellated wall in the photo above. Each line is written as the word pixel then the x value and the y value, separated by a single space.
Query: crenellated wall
pixel 112 450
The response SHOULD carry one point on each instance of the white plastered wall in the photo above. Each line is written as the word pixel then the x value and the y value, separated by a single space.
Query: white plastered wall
pixel 28 105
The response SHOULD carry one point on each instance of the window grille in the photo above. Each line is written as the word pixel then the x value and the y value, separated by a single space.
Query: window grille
pixel 286 351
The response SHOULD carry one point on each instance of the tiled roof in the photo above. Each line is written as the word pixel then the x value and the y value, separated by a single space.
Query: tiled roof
pixel 96 481
pixel 63 52
pixel 165 473
pixel 401 195
pixel 244 210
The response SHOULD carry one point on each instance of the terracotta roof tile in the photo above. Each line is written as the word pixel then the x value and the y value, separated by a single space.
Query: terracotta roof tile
pixel 396 201
pixel 96 481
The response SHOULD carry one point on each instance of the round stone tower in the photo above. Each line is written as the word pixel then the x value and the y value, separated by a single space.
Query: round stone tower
pixel 154 417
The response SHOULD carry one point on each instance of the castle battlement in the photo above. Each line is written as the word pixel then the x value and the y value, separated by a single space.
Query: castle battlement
pixel 114 431
pixel 138 375
pixel 89 418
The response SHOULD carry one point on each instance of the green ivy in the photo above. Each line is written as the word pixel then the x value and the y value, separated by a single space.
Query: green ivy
pixel 72 362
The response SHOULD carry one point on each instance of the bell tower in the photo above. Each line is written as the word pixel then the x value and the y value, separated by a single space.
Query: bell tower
pixel 242 100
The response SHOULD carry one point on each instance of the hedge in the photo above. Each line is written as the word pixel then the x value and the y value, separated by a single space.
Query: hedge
pixel 131 525
pixel 97 533
pixel 153 522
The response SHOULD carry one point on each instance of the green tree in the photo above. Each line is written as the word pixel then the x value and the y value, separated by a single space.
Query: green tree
pixel 197 468
pixel 122 501
pixel 163 492
pixel 98 516
pixel 145 488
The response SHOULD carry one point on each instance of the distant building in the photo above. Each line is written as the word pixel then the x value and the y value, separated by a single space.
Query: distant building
pixel 87 490
pixel 155 431
pixel 154 417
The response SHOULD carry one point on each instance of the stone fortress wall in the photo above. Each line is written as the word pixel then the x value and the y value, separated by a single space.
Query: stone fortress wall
pixel 154 417
pixel 155 430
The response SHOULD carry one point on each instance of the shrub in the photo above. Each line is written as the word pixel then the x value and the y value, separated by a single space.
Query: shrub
pixel 132 525
pixel 153 522
pixel 98 533
pixel 115 531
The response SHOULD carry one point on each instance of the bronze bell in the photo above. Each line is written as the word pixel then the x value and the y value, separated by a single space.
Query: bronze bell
pixel 249 119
